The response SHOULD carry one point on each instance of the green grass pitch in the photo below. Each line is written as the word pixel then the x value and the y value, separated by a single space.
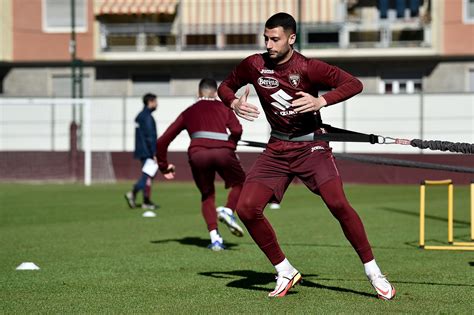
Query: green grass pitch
pixel 98 256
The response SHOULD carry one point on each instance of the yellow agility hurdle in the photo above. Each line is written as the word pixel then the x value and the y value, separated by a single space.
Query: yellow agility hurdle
pixel 472 221
pixel 452 245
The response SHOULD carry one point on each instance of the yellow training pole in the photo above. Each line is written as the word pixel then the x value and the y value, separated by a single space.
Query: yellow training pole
pixel 422 215
pixel 463 244
pixel 471 243
pixel 450 213
pixel 438 182
pixel 449 247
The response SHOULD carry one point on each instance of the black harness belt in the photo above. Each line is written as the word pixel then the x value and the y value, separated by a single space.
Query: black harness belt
pixel 329 133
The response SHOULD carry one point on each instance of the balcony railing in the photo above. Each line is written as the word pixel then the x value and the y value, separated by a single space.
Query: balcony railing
pixel 140 37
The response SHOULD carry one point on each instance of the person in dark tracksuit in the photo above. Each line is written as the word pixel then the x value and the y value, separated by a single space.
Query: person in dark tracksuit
pixel 145 148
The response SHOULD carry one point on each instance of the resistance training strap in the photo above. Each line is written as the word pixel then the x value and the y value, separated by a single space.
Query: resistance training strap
pixel 334 134
pixel 343 135
pixel 346 135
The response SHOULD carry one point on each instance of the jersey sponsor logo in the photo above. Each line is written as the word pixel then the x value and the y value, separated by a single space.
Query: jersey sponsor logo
pixel 267 71
pixel 281 98
pixel 282 103
pixel 317 148
pixel 287 112
pixel 268 82
pixel 294 79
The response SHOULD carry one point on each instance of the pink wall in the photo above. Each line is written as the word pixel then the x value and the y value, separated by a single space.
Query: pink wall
pixel 458 36
pixel 31 43
pixel 54 166
pixel 351 172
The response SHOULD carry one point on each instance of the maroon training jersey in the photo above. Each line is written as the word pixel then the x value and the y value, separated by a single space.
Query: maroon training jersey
pixel 204 115
pixel 276 86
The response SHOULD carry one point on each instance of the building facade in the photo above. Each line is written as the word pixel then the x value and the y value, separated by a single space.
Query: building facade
pixel 129 47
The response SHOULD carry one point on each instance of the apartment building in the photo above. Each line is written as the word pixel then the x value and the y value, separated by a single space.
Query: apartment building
pixel 128 47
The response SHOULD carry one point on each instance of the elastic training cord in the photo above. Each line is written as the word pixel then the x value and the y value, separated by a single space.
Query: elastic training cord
pixel 460 147
pixel 343 135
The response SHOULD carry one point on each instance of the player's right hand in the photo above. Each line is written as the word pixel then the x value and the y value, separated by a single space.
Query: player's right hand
pixel 243 109
pixel 170 171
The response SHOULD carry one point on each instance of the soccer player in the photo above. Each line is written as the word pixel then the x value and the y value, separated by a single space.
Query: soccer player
pixel 287 84
pixel 211 150
pixel 145 148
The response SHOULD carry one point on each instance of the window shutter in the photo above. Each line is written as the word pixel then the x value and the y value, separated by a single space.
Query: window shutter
pixel 58 13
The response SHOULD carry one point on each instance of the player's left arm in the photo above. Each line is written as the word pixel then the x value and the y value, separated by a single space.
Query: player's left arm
pixel 320 73
pixel 227 89
pixel 234 81
pixel 163 143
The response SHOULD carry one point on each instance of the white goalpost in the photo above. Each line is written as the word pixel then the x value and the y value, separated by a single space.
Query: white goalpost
pixel 87 142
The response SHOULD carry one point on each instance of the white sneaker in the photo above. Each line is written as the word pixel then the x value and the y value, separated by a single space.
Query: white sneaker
pixel 130 198
pixel 227 217
pixel 384 289
pixel 216 246
pixel 285 283
pixel 148 206
pixel 274 205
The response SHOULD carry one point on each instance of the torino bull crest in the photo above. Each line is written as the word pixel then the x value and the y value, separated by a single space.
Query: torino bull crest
pixel 294 79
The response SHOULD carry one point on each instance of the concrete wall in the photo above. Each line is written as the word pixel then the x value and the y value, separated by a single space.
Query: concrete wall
pixel 111 87
pixel 370 84
pixel 38 82
pixel 27 82
pixel 185 87
pixel 449 77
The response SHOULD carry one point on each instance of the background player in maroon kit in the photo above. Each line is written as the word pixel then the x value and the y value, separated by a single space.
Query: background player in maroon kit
pixel 287 84
pixel 211 150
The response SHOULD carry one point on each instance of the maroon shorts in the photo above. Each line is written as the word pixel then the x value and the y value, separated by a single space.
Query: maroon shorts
pixel 206 162
pixel 310 161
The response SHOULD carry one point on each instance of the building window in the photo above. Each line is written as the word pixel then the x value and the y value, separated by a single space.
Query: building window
pixel 201 40
pixel 364 38
pixel 468 8
pixel 323 39
pixel 57 16
pixel 400 86
pixel 407 37
pixel 241 40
